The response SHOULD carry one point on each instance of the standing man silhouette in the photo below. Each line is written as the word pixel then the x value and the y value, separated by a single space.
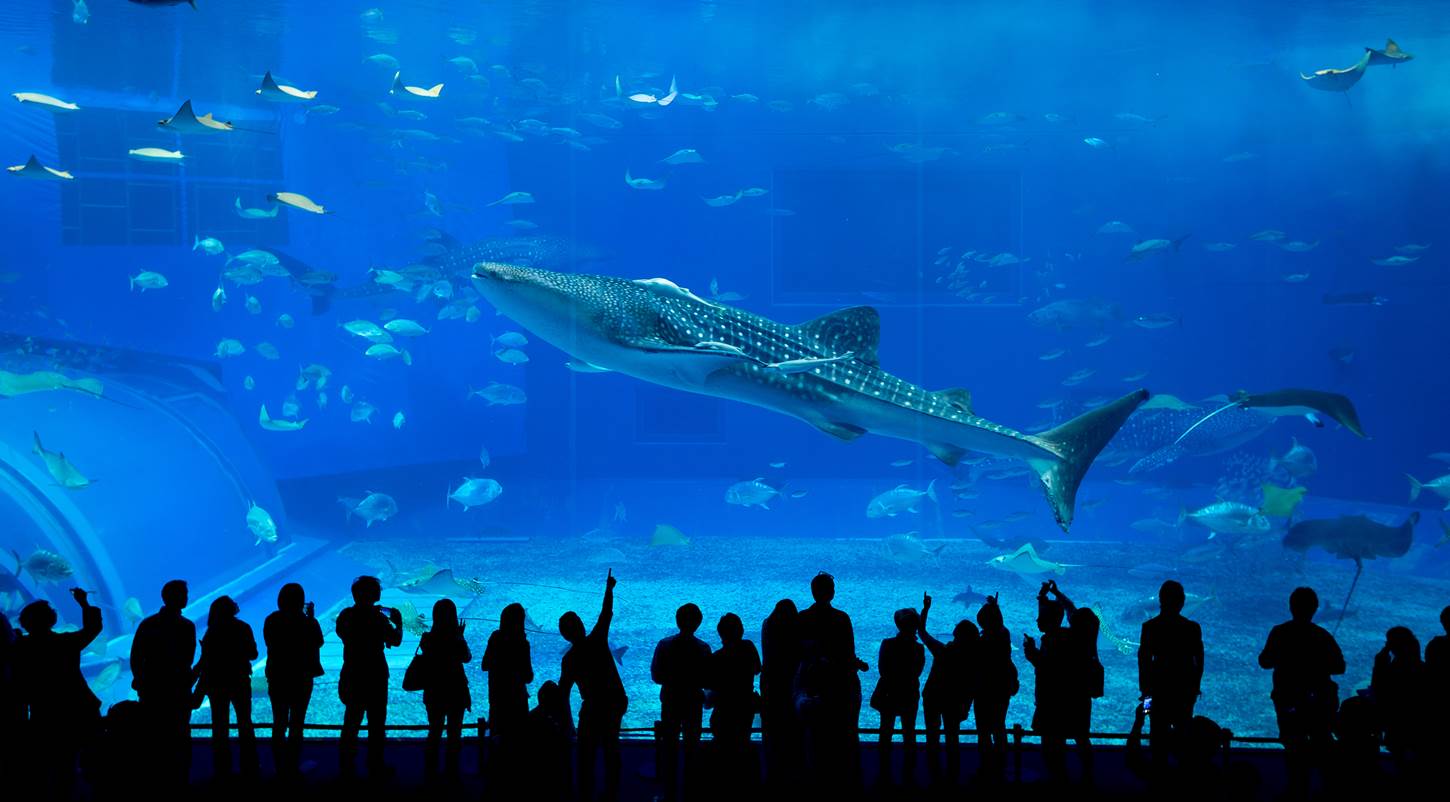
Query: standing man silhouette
pixel 1170 669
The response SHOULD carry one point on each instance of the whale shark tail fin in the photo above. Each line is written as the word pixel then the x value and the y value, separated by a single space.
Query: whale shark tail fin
pixel 1076 444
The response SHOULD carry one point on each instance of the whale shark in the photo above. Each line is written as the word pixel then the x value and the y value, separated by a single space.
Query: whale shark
pixel 643 330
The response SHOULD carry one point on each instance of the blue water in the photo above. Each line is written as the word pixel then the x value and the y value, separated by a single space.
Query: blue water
pixel 886 138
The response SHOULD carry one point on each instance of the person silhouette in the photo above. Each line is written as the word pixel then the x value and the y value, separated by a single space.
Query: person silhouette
pixel 1437 688
pixel 828 689
pixel 1397 685
pixel 590 665
pixel 947 696
pixel 731 678
pixel 1086 681
pixel 510 669
pixel 1170 669
pixel 997 683
pixel 63 713
pixel 294 643
pixel 549 732
pixel 366 630
pixel 11 715
pixel 162 652
pixel 678 667
pixel 445 691
pixel 224 675
pixel 780 647
pixel 1303 657
pixel 1052 688
pixel 899 664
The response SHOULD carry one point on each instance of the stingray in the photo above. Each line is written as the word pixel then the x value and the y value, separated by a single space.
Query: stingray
pixel 282 93
pixel 1353 537
pixel 185 121
pixel 34 169
pixel 1280 502
pixel 1391 55
pixel 1332 80
pixel 1295 401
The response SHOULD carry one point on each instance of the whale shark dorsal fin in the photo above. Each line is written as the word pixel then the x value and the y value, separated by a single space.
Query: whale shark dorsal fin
pixel 957 397
pixel 856 329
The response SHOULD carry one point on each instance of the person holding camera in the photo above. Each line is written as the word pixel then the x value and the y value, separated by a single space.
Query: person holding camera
pixel 366 630
pixel 294 645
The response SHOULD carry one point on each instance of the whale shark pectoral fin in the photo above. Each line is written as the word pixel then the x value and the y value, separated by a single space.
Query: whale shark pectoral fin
pixel 692 364
pixel 856 329
pixel 841 431
pixel 957 397
pixel 948 454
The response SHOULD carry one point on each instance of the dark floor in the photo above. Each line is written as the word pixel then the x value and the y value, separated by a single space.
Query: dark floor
pixel 1241 775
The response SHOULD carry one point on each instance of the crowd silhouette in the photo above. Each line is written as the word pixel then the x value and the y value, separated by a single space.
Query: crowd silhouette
pixel 808 701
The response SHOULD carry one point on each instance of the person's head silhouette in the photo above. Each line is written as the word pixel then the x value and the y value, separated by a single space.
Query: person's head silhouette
pixel 1084 622
pixel 1049 614
pixel 1171 598
pixel 965 631
pixel 366 590
pixel 174 595
pixel 549 696
pixel 291 598
pixel 989 615
pixel 571 627
pixel 1303 604
pixel 223 609
pixel 906 620
pixel 785 609
pixel 731 629
pixel 1445 619
pixel 445 617
pixel 823 588
pixel 688 618
pixel 1403 644
pixel 38 617
pixel 512 619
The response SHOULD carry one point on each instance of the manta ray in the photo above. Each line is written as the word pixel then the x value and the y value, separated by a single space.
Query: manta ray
pixel 657 334
pixel 1331 80
pixel 1353 537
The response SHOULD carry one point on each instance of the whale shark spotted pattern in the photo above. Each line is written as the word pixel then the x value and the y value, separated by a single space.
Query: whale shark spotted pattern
pixel 681 341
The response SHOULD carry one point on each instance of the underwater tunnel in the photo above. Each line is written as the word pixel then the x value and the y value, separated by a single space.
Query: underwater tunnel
pixel 145 471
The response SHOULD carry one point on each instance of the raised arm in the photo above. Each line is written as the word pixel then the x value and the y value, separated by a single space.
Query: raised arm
pixel 932 644
pixel 90 619
pixel 393 630
pixel 606 613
